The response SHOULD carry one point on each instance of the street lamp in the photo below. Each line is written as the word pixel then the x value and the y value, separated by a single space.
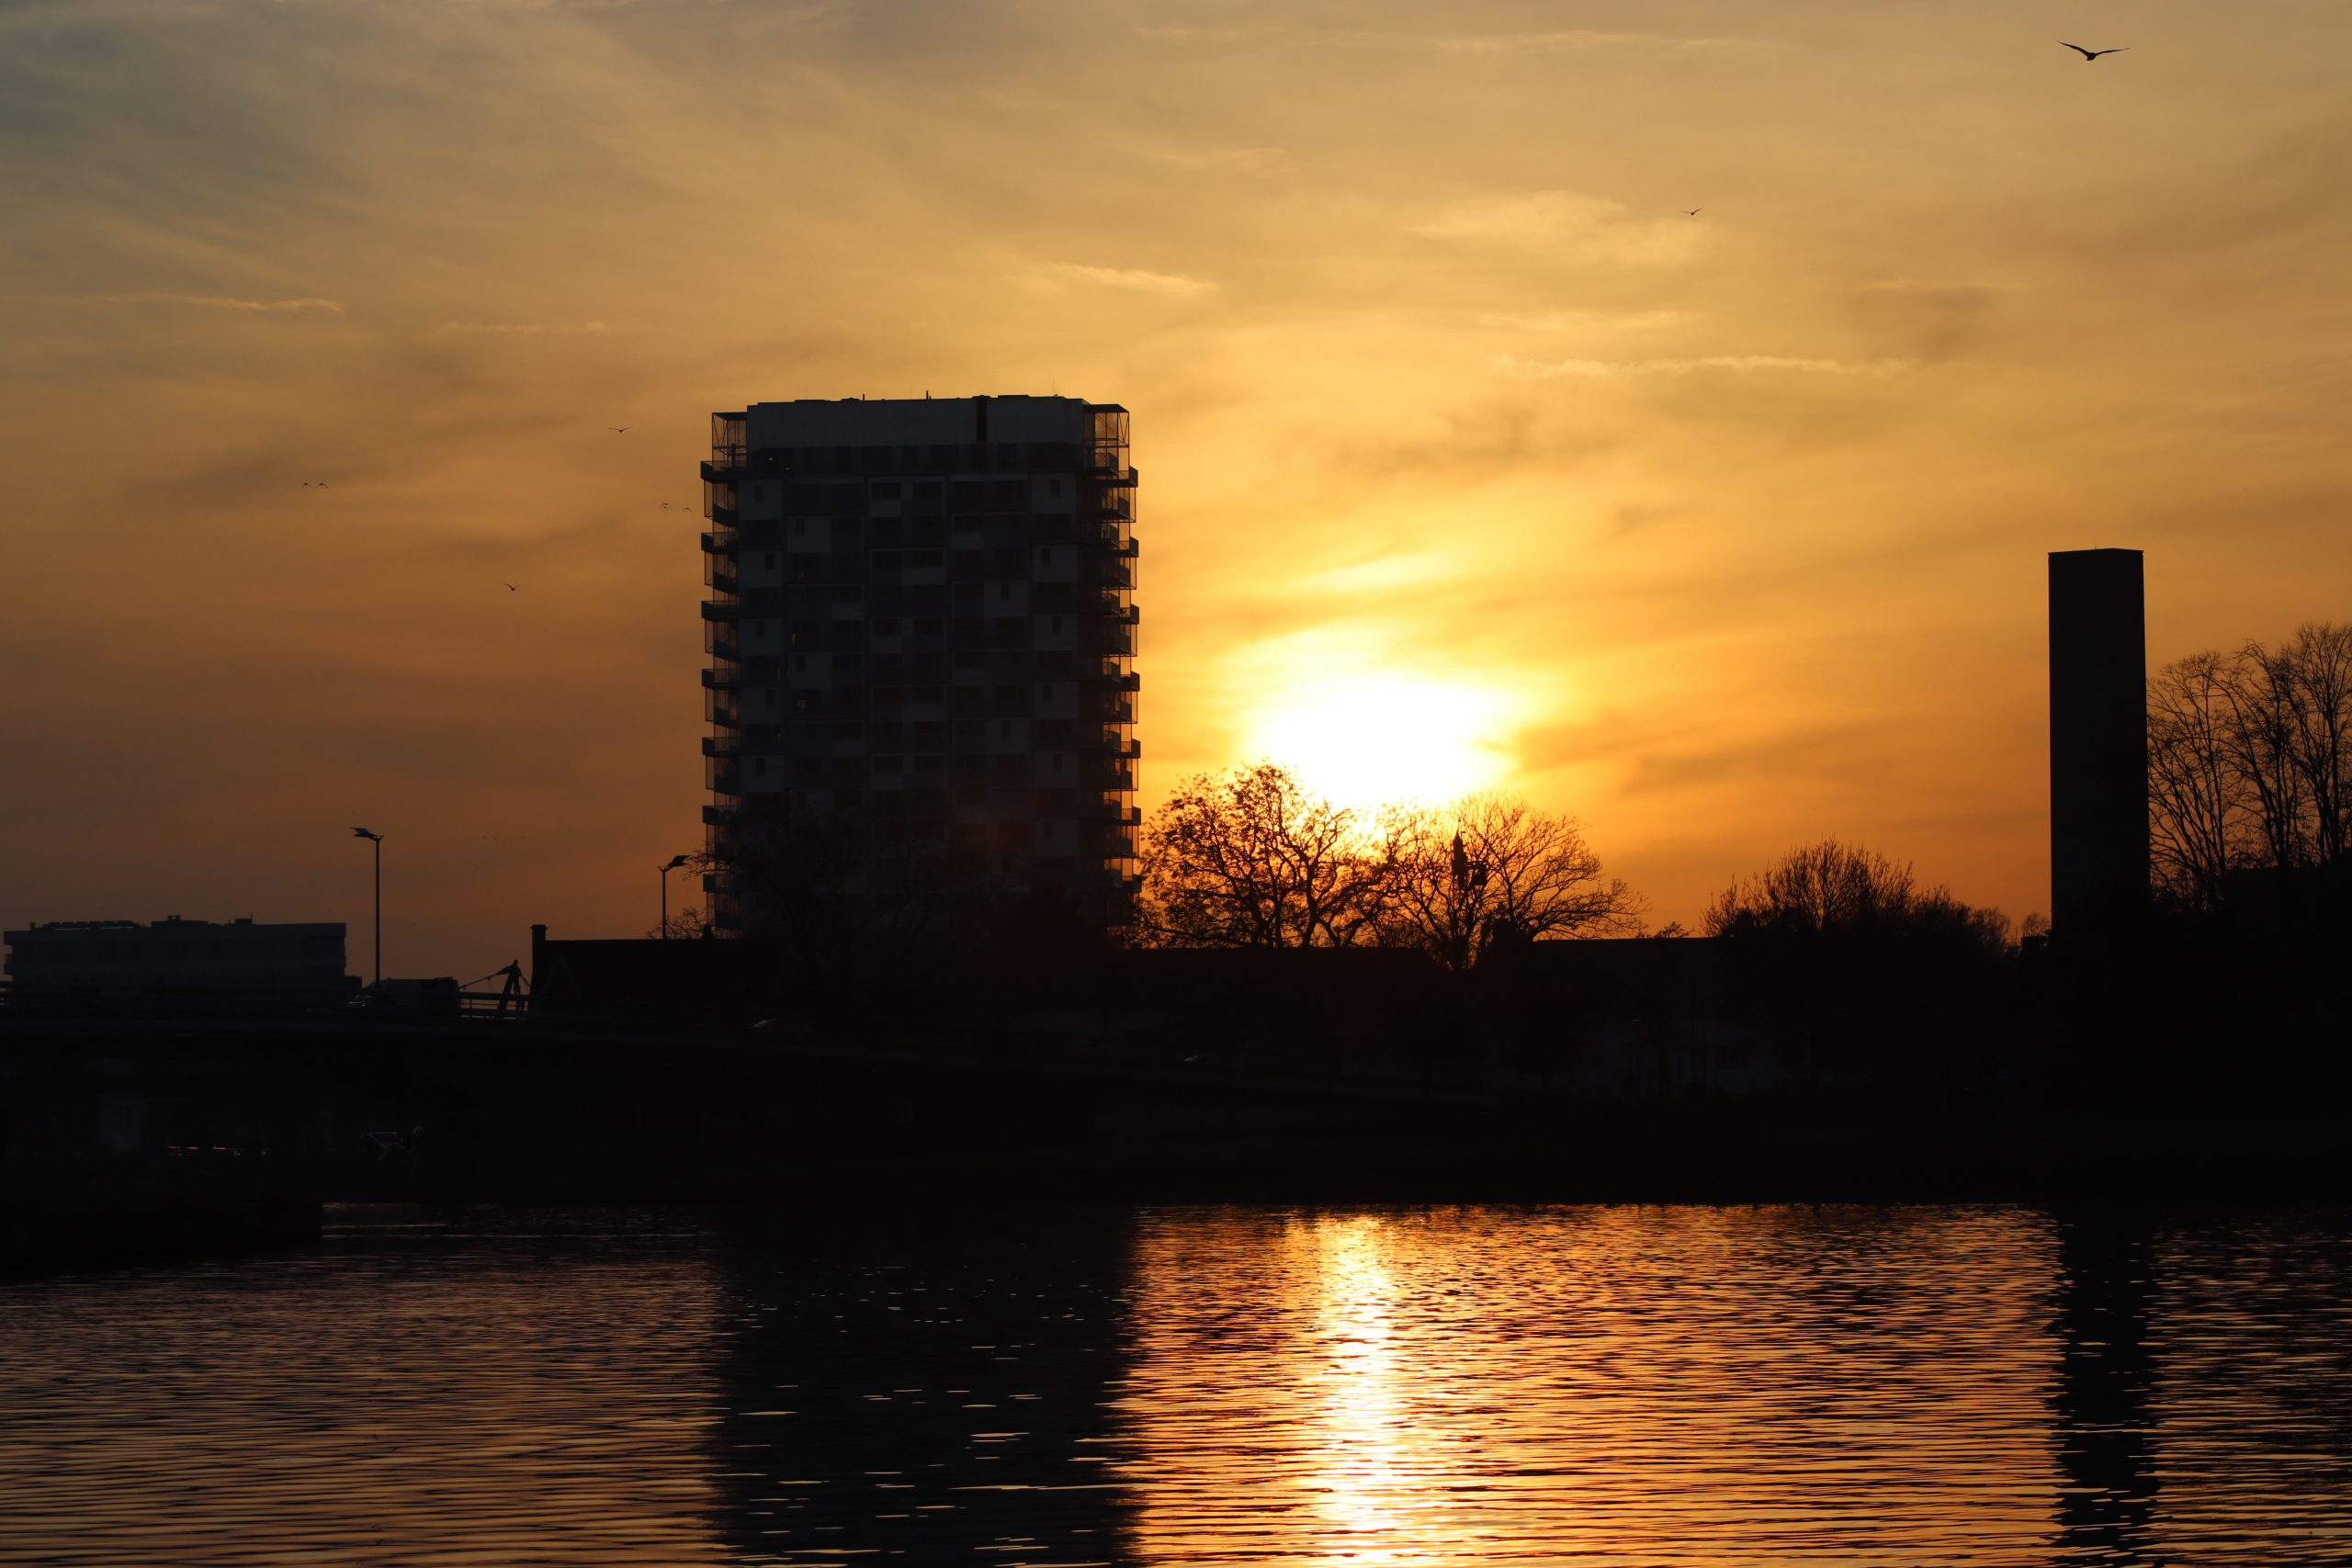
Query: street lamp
pixel 377 839
pixel 673 862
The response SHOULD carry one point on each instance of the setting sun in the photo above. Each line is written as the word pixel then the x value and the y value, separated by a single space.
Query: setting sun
pixel 1365 740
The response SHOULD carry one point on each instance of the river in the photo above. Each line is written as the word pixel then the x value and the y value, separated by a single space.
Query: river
pixel 1176 1386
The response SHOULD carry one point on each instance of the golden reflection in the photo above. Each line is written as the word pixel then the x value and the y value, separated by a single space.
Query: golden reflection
pixel 1367 1460
pixel 1609 1387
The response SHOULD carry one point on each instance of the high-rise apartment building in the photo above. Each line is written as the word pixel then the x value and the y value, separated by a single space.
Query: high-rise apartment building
pixel 922 632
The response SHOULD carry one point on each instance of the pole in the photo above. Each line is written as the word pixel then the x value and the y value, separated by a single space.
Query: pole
pixel 378 840
pixel 665 904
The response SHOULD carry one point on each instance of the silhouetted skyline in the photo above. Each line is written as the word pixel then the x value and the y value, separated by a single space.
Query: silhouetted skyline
pixel 1723 533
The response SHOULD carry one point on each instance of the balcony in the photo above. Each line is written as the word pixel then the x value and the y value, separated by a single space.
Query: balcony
pixel 721 610
pixel 719 680
pixel 722 746
pixel 721 777
pixel 720 816
pixel 723 465
pixel 722 541
pixel 719 707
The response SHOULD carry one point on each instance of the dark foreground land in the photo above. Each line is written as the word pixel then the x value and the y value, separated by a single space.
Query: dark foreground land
pixel 127 1135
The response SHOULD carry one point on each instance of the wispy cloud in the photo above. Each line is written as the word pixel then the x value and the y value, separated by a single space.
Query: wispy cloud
pixel 227 302
pixel 1590 226
pixel 1741 364
pixel 1173 286
pixel 1234 160
pixel 1577 39
pixel 1583 320
pixel 520 329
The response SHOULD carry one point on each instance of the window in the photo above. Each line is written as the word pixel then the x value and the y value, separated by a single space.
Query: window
pixel 1054 487
pixel 759 492
pixel 767 559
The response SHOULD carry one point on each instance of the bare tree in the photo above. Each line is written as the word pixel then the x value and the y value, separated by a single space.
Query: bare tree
pixel 2250 762
pixel 1835 890
pixel 1254 859
pixel 2200 814
pixel 1489 870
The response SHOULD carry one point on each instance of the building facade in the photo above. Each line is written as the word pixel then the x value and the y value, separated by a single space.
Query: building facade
pixel 922 632
pixel 115 955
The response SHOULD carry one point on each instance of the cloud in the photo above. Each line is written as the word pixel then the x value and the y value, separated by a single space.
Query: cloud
pixel 1170 284
pixel 1593 227
pixel 1924 321
pixel 1742 363
pixel 1583 320
pixel 225 302
pixel 1236 160
pixel 520 329
pixel 1577 39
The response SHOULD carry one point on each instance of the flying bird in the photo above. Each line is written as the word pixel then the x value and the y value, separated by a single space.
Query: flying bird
pixel 2092 53
pixel 617 429
pixel 1692 211
pixel 510 588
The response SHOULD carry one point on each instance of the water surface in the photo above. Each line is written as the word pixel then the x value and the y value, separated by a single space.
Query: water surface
pixel 1469 1386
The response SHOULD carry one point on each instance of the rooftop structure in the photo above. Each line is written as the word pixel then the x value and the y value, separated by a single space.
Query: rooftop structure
pixel 174 952
pixel 922 631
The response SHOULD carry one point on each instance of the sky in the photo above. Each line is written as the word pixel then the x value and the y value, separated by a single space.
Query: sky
pixel 1469 455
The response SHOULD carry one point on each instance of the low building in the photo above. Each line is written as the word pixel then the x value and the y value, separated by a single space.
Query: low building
pixel 174 953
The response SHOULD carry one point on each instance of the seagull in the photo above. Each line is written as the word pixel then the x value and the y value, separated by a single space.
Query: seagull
pixel 2092 53
pixel 510 588
pixel 617 429
pixel 1692 211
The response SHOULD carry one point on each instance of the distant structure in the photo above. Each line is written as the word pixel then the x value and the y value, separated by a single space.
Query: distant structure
pixel 922 631
pixel 2098 740
pixel 123 954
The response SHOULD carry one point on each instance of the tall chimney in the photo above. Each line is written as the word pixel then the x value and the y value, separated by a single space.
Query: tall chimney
pixel 2098 741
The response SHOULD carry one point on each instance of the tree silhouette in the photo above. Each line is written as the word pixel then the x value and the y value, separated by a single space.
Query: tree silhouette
pixel 2250 762
pixel 1489 870
pixel 1833 890
pixel 1254 860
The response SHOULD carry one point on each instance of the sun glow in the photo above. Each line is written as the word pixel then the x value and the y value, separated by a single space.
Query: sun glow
pixel 1370 739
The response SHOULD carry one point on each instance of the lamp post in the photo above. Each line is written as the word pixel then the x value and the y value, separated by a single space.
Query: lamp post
pixel 377 839
pixel 673 862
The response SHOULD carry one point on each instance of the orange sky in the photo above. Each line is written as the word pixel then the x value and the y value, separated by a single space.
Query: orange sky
pixel 1727 531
